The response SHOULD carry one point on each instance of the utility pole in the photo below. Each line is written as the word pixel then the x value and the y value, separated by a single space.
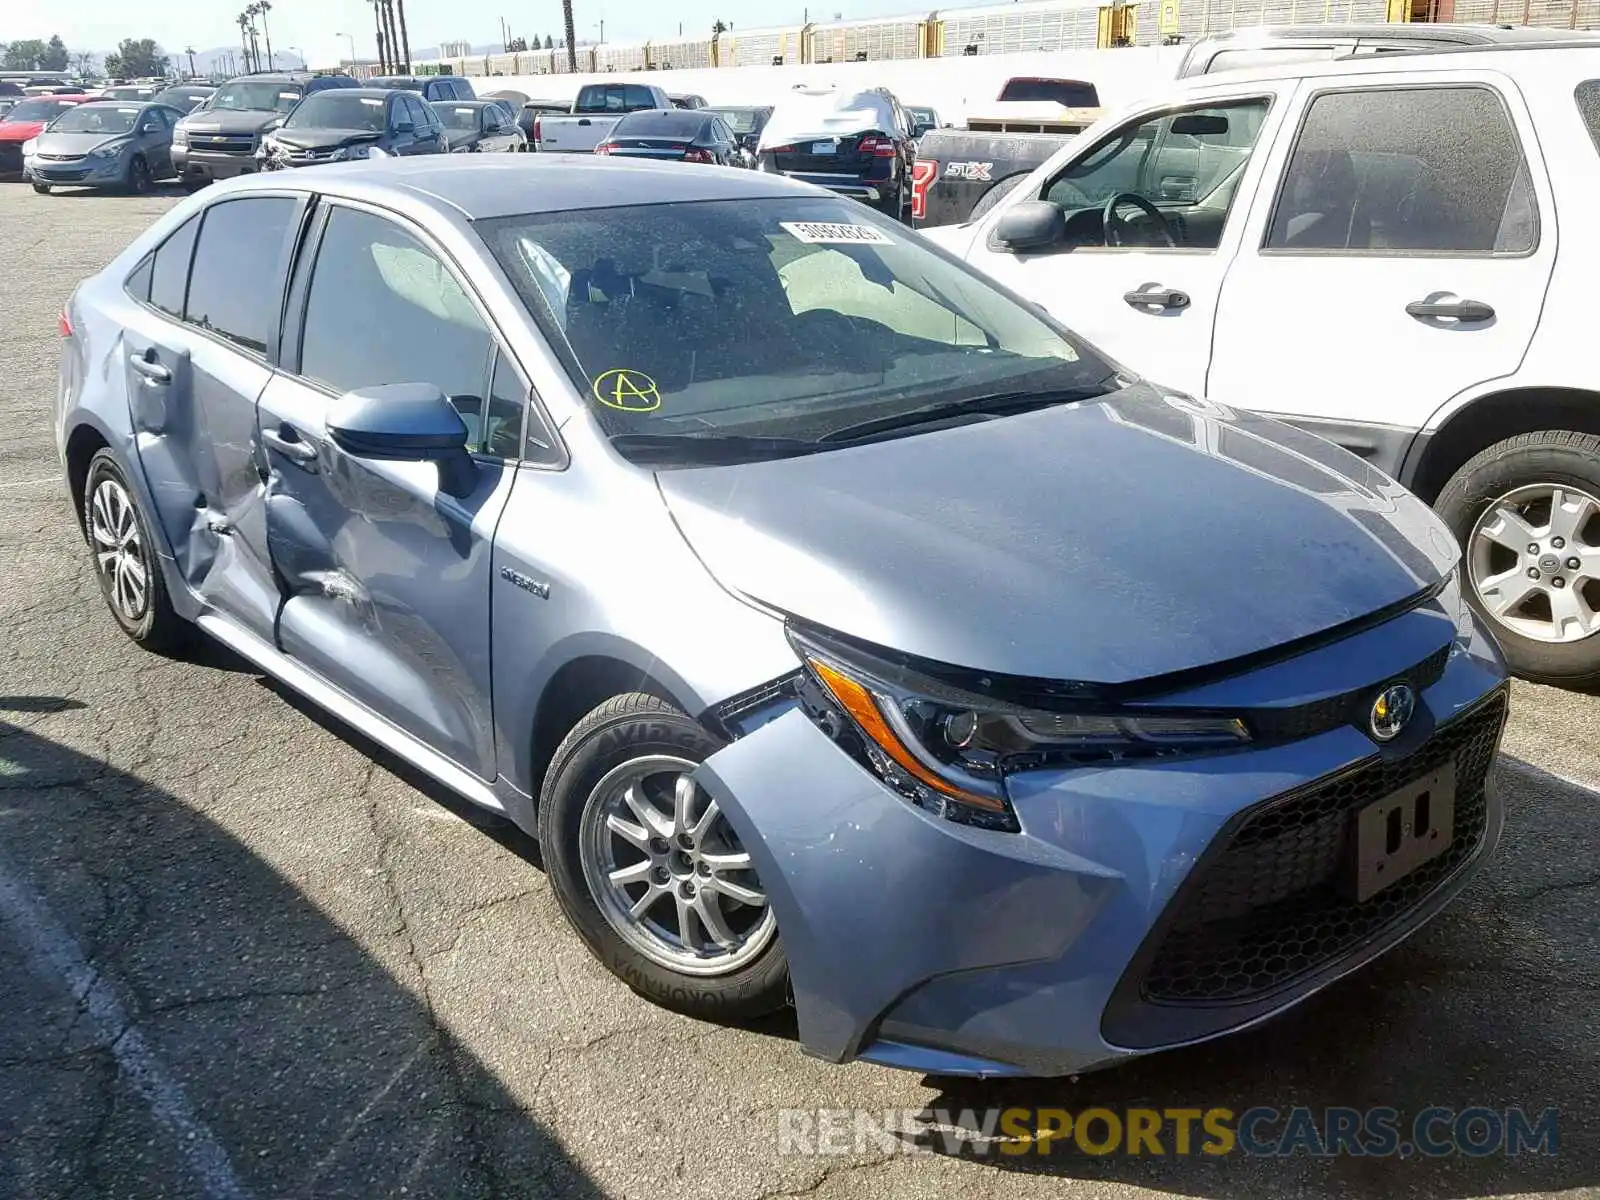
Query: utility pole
pixel 352 40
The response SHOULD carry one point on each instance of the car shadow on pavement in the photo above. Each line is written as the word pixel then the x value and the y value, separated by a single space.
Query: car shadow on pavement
pixel 1491 1006
pixel 182 1020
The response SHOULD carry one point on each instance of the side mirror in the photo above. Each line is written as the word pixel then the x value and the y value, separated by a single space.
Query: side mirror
pixel 150 127
pixel 1031 225
pixel 921 128
pixel 405 422
pixel 405 127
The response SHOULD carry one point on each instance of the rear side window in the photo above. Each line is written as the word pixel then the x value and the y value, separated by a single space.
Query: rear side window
pixel 1406 170
pixel 169 274
pixel 1588 97
pixel 236 288
pixel 1074 93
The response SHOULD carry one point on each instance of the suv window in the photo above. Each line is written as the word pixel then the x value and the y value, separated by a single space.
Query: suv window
pixel 1588 97
pixel 1434 170
pixel 418 113
pixel 236 287
pixel 637 97
pixel 169 275
pixel 1188 164
pixel 383 309
pixel 1271 56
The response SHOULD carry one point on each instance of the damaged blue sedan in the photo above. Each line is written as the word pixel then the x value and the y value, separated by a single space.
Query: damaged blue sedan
pixel 850 635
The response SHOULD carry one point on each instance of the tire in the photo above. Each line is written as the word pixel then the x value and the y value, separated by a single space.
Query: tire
pixel 113 522
pixel 138 182
pixel 42 188
pixel 193 183
pixel 643 740
pixel 1518 478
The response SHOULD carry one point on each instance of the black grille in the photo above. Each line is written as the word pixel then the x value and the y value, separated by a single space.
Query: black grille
pixel 1270 906
pixel 224 143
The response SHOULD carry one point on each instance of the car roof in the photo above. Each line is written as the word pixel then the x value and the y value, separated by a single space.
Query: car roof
pixel 482 187
pixel 479 101
pixel 1450 34
pixel 367 93
pixel 1575 54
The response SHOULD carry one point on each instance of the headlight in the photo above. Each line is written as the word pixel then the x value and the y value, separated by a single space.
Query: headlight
pixel 950 751
pixel 180 136
pixel 108 152
pixel 348 152
pixel 29 147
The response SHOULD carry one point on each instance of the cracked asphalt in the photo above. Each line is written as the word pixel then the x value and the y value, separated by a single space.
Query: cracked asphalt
pixel 243 952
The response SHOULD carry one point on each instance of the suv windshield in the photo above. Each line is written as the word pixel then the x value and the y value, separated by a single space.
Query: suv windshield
pixel 96 118
pixel 782 318
pixel 256 95
pixel 39 110
pixel 338 110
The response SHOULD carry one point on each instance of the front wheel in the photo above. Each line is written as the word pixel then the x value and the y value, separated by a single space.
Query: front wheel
pixel 1527 513
pixel 139 181
pixel 648 869
pixel 42 188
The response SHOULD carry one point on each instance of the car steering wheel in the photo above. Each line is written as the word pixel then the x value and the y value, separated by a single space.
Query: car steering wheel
pixel 1114 224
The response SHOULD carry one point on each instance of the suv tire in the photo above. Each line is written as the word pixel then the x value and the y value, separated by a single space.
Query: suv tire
pixel 640 746
pixel 1520 478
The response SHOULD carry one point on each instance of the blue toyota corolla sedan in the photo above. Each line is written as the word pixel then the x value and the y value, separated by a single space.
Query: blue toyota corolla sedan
pixel 849 634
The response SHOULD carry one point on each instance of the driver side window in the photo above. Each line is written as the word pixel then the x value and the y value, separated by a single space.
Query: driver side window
pixel 1187 165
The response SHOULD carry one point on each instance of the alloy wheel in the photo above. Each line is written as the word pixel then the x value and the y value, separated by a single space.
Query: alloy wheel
pixel 1534 561
pixel 669 873
pixel 119 550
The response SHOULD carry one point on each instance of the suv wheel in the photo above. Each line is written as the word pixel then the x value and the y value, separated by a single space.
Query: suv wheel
pixel 650 872
pixel 1527 513
pixel 124 558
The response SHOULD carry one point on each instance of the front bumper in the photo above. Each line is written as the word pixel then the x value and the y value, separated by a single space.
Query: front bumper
pixel 80 172
pixel 871 191
pixel 192 163
pixel 1142 907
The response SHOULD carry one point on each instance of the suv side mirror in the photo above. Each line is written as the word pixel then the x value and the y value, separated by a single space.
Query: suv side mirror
pixel 405 422
pixel 1031 225
pixel 404 126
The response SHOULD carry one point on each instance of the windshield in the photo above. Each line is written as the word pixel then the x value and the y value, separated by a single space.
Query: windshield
pixel 338 109
pixel 39 110
pixel 740 120
pixel 129 93
pixel 246 95
pixel 784 318
pixel 676 123
pixel 97 118
pixel 456 116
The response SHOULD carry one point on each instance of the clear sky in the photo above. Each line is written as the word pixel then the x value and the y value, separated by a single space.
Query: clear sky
pixel 313 25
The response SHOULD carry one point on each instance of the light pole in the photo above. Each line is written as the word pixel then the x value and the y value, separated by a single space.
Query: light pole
pixel 301 56
pixel 351 38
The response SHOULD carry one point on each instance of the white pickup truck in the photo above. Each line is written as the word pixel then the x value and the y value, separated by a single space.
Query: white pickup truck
pixel 597 109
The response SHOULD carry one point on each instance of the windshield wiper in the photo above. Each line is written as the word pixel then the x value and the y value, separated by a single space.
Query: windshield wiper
pixel 710 447
pixel 990 403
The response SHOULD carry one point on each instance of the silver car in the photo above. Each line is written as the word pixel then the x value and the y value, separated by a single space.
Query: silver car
pixel 849 634
pixel 103 144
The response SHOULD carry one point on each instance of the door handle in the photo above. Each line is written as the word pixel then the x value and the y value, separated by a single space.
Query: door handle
pixel 1154 296
pixel 1461 310
pixel 154 373
pixel 585 121
pixel 289 444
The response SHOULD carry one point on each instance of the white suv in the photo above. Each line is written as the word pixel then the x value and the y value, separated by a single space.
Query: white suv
pixel 1366 248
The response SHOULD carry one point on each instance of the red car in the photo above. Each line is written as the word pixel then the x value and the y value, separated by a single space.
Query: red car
pixel 24 122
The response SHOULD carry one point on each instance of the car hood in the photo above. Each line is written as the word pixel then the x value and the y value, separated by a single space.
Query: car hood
pixel 77 143
pixel 313 138
pixel 229 120
pixel 1105 542
pixel 19 131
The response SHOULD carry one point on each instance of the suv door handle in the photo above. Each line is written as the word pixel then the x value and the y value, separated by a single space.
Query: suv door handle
pixel 1461 310
pixel 287 442
pixel 1154 296
pixel 153 372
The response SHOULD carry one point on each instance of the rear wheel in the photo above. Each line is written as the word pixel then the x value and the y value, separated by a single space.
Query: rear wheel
pixel 138 176
pixel 124 558
pixel 1527 512
pixel 648 869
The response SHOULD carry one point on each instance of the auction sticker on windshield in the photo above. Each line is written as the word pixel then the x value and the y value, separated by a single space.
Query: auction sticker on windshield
pixel 824 233
pixel 628 391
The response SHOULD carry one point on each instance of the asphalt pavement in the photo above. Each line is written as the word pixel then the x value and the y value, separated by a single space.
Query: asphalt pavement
pixel 245 953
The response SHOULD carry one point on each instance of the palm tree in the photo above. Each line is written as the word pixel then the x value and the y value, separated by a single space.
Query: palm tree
pixel 377 20
pixel 405 39
pixel 572 36
pixel 263 7
pixel 394 40
pixel 244 39
pixel 189 50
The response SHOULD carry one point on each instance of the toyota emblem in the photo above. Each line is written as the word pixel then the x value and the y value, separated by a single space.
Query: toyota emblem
pixel 1392 710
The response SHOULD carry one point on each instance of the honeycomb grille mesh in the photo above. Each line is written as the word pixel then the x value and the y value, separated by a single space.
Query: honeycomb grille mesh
pixel 1270 907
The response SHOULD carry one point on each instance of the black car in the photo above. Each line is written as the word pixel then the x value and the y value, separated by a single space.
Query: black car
pixel 354 123
pixel 686 135
pixel 478 127
pixel 746 122
pixel 857 143
pixel 185 97
pixel 432 87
